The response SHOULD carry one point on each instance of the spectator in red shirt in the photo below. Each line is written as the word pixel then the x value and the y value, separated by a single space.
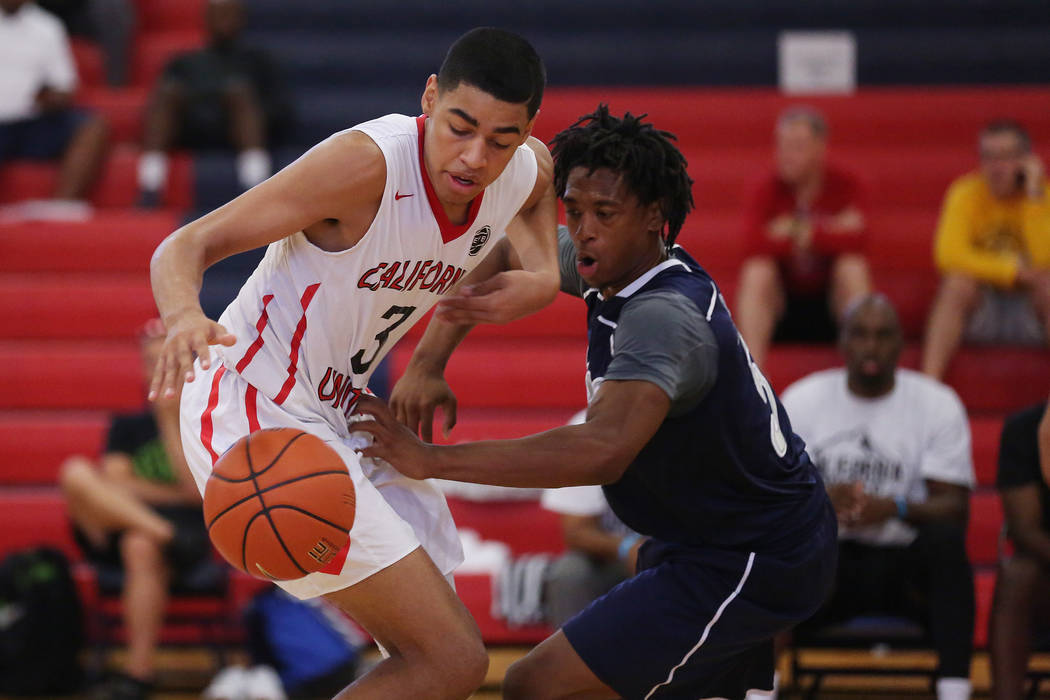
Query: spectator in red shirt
pixel 805 239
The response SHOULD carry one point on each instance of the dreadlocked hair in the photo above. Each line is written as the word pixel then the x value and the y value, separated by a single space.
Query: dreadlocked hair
pixel 651 165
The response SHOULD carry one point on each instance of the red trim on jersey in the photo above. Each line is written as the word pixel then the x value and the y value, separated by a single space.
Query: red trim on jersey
pixel 251 408
pixel 207 429
pixel 260 325
pixel 449 230
pixel 335 566
pixel 297 339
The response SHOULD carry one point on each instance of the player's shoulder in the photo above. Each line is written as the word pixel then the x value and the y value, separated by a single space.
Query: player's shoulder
pixel 663 306
pixel 390 126
pixel 815 387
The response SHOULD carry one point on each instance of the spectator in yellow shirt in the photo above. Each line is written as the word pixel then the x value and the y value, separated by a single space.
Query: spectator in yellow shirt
pixel 993 250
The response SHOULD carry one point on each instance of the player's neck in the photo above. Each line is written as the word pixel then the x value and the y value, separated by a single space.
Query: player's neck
pixel 644 265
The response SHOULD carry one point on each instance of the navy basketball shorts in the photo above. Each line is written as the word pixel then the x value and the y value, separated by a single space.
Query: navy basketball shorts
pixel 699 623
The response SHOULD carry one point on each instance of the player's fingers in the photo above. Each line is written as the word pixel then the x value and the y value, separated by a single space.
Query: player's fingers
pixel 426 428
pixel 157 379
pixel 221 336
pixel 484 287
pixel 201 350
pixel 167 380
pixel 464 316
pixel 450 414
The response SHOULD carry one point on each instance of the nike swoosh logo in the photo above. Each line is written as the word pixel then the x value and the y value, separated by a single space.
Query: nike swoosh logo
pixel 398 195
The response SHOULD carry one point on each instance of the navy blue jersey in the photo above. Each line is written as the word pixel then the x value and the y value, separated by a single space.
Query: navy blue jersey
pixel 727 473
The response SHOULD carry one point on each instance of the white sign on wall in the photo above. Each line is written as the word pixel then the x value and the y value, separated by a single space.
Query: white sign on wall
pixel 817 62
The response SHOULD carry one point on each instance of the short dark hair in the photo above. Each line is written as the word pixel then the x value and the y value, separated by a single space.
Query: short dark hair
pixel 498 62
pixel 652 166
pixel 1008 126
pixel 812 118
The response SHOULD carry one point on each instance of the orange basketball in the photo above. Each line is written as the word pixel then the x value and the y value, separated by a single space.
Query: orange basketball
pixel 279 504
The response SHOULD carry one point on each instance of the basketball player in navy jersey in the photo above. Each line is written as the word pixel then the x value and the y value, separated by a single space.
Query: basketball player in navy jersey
pixel 692 446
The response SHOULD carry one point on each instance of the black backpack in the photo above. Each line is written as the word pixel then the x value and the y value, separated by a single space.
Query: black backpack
pixel 41 624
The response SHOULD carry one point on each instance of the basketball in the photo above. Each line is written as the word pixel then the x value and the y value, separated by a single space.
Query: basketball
pixel 279 504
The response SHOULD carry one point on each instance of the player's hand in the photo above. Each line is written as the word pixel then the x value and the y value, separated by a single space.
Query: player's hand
pixel 502 298
pixel 847 498
pixel 415 398
pixel 189 336
pixel 874 511
pixel 1033 174
pixel 391 440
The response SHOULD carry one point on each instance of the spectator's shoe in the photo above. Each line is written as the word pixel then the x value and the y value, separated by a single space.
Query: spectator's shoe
pixel 231 683
pixel 148 199
pixel 264 684
pixel 121 686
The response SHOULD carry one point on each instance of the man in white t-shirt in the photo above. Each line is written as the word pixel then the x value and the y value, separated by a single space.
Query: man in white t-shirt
pixel 894 449
pixel 37 119
pixel 602 551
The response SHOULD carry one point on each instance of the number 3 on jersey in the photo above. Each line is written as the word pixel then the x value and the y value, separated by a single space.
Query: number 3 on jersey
pixel 776 435
pixel 358 362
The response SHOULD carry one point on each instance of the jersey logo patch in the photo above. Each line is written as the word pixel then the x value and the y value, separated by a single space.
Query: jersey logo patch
pixel 398 195
pixel 481 237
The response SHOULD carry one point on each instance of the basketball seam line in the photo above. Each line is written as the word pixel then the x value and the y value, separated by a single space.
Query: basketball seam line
pixel 265 510
pixel 244 500
pixel 264 469
pixel 286 506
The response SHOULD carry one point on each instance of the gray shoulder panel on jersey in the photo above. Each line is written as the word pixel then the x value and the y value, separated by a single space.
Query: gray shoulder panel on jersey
pixel 663 338
pixel 571 282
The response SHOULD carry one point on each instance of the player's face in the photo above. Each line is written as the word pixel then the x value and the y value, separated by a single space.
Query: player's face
pixel 800 152
pixel 871 343
pixel 470 138
pixel 1002 156
pixel 616 237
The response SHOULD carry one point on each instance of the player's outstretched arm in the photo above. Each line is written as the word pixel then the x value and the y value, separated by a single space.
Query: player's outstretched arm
pixel 340 178
pixel 621 419
pixel 529 278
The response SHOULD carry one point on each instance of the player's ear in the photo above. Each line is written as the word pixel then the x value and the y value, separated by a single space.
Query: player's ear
pixel 430 95
pixel 654 217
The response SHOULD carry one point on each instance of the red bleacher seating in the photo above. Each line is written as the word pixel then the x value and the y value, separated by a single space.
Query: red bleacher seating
pixel 984 589
pixel 117 184
pixel 104 306
pixel 523 525
pixel 984 434
pixel 35 516
pixel 33 444
pixel 476 592
pixel 171 15
pixel 122 109
pixel 63 375
pixel 112 241
pixel 90 65
pixel 986 521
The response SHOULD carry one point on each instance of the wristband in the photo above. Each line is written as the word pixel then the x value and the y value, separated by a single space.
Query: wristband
pixel 902 507
pixel 625 545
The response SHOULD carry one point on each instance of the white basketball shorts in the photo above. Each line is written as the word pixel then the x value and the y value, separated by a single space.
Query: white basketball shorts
pixel 395 514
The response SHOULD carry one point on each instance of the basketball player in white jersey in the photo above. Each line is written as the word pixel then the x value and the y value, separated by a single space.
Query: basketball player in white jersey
pixel 366 232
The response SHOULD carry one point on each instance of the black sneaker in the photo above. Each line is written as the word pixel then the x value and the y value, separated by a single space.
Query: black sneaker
pixel 121 686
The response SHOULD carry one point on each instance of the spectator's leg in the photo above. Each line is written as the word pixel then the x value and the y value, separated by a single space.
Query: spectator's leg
pixel 759 303
pixel 99 506
pixel 955 302
pixel 940 569
pixel 1020 582
pixel 146 578
pixel 159 131
pixel 113 22
pixel 573 581
pixel 248 134
pixel 1039 293
pixel 82 159
pixel 850 280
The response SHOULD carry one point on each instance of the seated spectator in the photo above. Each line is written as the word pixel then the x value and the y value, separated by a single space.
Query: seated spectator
pixel 224 95
pixel 139 510
pixel 1022 588
pixel 893 447
pixel 805 236
pixel 37 119
pixel 993 251
pixel 602 551
pixel 110 23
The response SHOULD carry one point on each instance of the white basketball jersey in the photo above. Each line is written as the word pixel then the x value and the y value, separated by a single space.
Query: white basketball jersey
pixel 312 325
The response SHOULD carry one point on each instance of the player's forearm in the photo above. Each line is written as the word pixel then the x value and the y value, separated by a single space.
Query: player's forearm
pixel 941 507
pixel 566 456
pixel 176 274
